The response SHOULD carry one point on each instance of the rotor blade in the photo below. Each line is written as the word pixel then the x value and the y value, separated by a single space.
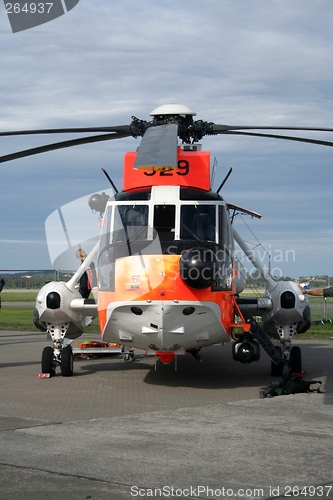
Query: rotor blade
pixel 119 129
pixel 158 148
pixel 285 137
pixel 217 129
pixel 61 145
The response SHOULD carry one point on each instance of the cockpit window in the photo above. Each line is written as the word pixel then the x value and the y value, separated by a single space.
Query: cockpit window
pixel 164 221
pixel 130 223
pixel 198 222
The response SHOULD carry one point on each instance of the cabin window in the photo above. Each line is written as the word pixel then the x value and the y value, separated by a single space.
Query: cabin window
pixel 198 222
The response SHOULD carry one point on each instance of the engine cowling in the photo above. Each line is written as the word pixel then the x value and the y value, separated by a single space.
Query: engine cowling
pixel 53 306
pixel 289 307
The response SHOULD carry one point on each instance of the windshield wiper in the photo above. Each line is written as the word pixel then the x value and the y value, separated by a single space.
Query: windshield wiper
pixel 190 232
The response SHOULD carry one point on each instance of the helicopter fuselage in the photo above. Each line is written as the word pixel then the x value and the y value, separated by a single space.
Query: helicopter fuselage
pixel 165 265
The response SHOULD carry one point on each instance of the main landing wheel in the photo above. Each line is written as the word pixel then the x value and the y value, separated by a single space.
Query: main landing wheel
pixel 295 359
pixel 47 361
pixel 66 365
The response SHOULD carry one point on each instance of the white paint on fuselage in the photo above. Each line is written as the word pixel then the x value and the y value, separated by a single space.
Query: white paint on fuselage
pixel 162 325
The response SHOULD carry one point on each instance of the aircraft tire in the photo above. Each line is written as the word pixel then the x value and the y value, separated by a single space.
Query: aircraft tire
pixel 276 370
pixel 296 359
pixel 129 357
pixel 66 365
pixel 47 361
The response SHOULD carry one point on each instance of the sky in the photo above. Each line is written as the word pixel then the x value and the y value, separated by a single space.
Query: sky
pixel 235 62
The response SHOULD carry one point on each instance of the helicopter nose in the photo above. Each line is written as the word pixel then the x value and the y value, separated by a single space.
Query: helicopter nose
pixel 198 267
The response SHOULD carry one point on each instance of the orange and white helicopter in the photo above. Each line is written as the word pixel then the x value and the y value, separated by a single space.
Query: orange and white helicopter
pixel 168 279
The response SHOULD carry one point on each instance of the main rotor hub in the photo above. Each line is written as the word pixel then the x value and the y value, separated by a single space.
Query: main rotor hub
pixel 173 109
pixel 188 130
pixel 175 113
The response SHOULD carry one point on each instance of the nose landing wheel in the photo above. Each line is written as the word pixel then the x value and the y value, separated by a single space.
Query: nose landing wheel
pixel 52 357
pixel 129 356
pixel 66 358
pixel 48 363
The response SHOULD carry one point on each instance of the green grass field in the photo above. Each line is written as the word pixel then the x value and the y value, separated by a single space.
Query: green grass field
pixel 16 319
pixel 20 319
pixel 19 296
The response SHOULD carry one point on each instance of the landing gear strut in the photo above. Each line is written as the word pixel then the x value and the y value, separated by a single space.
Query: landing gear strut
pixel 195 354
pixel 284 357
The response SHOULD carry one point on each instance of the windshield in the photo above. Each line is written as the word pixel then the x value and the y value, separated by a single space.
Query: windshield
pixel 130 223
pixel 171 230
pixel 198 222
pixel 123 227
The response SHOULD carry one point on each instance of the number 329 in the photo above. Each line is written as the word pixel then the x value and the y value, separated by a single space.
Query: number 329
pixel 183 169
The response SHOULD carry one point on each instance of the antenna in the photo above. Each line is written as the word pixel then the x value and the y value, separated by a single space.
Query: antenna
pixel 110 181
pixel 224 181
pixel 213 171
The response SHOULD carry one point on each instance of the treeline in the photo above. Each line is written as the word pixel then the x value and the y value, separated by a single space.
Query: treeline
pixel 318 281
pixel 27 279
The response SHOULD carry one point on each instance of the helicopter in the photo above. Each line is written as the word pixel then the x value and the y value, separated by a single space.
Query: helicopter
pixel 168 281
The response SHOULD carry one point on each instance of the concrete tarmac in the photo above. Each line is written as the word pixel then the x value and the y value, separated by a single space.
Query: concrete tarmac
pixel 119 430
